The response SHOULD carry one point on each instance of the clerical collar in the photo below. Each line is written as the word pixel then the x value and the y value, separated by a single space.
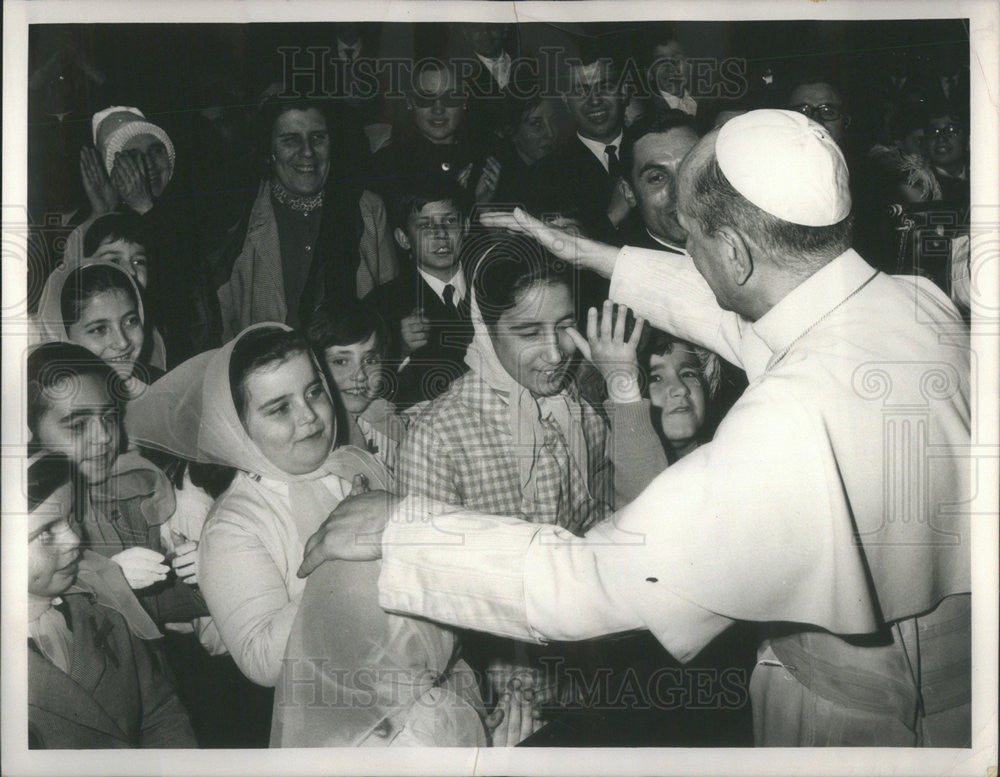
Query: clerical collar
pixel 303 205
pixel 669 246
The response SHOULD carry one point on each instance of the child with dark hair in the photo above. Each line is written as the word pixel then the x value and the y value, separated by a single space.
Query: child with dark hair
pixel 93 681
pixel 74 407
pixel 673 418
pixel 98 305
pixel 511 437
pixel 426 307
pixel 122 239
pixel 351 341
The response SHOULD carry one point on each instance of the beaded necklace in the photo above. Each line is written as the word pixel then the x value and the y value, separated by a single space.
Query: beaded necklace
pixel 304 205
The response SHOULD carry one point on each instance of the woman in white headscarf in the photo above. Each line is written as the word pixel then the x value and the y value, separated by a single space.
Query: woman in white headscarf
pixel 260 404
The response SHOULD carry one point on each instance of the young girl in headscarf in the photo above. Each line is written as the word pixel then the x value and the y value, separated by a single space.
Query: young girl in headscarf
pixel 260 404
pixel 98 305
pixel 511 437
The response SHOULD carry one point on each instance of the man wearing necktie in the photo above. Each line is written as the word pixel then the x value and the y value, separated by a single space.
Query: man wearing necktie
pixel 581 179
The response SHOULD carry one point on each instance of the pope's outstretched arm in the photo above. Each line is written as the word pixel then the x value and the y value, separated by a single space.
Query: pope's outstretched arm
pixel 532 582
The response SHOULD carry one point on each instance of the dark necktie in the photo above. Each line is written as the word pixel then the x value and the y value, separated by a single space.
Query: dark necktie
pixel 449 296
pixel 614 163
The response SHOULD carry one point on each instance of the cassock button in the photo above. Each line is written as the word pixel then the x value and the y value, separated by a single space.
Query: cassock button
pixel 652 580
pixel 446 166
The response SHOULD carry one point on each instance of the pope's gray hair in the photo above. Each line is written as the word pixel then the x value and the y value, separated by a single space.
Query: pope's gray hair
pixel 714 203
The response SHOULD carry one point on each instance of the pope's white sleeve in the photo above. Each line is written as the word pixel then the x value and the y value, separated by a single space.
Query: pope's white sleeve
pixel 522 580
pixel 668 291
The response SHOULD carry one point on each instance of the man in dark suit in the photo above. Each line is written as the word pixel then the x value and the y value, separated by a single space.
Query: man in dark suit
pixel 426 306
pixel 581 177
pixel 486 67
pixel 652 150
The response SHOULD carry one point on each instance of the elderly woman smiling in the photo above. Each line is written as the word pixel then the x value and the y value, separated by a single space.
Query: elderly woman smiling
pixel 310 232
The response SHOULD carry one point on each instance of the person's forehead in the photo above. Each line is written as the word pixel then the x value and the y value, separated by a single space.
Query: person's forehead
pixel 108 304
pixel 543 108
pixel 296 120
pixel 590 73
pixel 362 346
pixel 434 80
pixel 816 93
pixel 280 377
pixel 119 244
pixel 542 303
pixel 79 395
pixel 671 48
pixel 55 508
pixel 436 208
pixel 680 355
pixel 668 147
pixel 698 156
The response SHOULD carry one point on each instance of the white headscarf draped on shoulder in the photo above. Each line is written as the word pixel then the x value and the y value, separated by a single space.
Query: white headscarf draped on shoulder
pixel 390 679
pixel 190 413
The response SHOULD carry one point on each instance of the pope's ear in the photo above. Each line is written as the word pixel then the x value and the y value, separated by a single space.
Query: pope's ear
pixel 401 238
pixel 737 255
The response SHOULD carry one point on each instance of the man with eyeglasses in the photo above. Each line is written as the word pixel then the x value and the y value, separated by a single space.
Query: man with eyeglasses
pixel 821 102
pixel 816 93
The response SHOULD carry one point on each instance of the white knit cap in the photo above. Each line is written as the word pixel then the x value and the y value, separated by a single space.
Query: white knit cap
pixel 787 165
pixel 114 127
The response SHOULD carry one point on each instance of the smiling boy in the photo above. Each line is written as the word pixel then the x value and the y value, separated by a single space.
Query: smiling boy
pixel 426 307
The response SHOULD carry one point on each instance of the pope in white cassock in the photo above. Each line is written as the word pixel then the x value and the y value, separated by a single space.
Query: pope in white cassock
pixel 830 508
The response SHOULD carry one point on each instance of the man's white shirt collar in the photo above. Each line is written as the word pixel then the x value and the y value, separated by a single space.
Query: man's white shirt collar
pixel 437 285
pixel 597 147
pixel 665 244
pixel 499 68
pixel 686 103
